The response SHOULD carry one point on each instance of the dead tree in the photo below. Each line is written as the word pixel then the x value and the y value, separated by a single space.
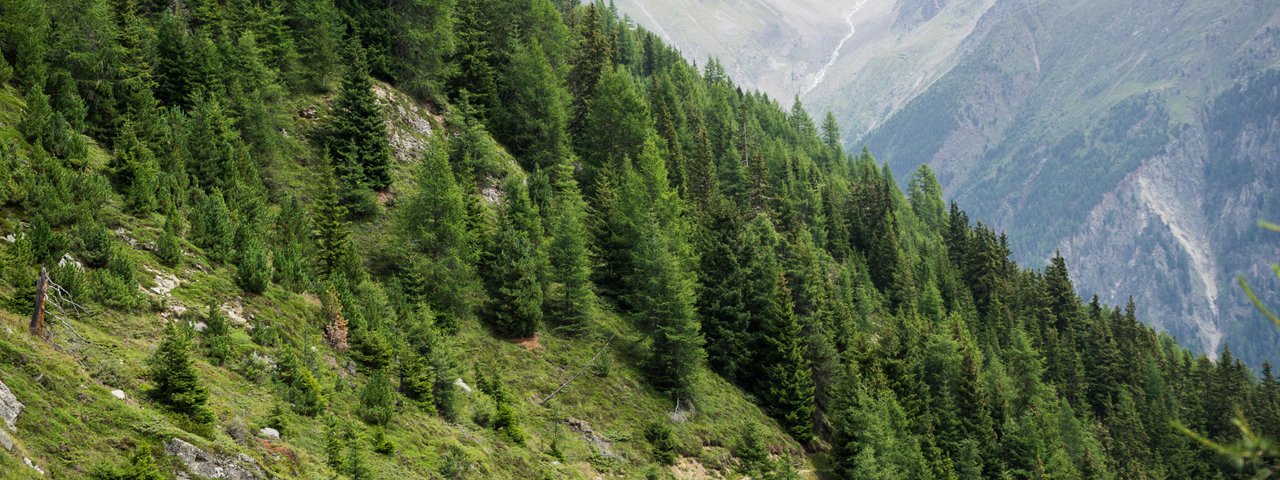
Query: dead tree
pixel 42 293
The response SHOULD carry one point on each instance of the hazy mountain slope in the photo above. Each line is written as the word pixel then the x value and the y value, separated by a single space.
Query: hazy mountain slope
pixel 1103 129
pixel 1113 144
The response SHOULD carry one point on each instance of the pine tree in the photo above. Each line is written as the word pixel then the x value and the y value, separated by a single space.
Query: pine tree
pixel 516 265
pixel 331 234
pixel 617 126
pixel 788 383
pixel 574 305
pixel 474 76
pixel 357 136
pixel 169 246
pixel 533 119
pixel 422 38
pixel 417 380
pixel 316 28
pixel 175 383
pixel 253 263
pixel 433 224
pixel 292 253
pixel 377 399
pixel 664 298
pixel 302 389
pixel 212 227
pixel 926 198
pixel 136 171
pixel 593 54
pixel 217 336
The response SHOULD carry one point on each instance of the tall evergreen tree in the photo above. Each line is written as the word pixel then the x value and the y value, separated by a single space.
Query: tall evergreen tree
pixel 533 119
pixel 357 136
pixel 175 382
pixel 516 266
pixel 433 224
pixel 569 250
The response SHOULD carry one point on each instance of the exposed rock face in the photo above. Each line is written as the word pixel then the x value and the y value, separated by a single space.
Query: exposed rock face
pixel 602 445
pixel 408 123
pixel 206 465
pixel 10 407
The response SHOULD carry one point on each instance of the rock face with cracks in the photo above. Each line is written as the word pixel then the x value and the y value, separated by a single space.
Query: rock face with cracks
pixel 10 407
pixel 206 465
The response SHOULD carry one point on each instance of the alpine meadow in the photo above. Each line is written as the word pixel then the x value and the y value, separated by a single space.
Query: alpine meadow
pixel 529 239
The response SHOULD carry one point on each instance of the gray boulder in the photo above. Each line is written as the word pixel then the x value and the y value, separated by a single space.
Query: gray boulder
pixel 10 407
pixel 206 465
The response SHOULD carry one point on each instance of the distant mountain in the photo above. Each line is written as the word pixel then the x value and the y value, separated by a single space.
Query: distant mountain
pixel 1142 139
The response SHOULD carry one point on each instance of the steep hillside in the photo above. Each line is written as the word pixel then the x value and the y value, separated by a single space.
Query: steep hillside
pixel 1085 127
pixel 523 239
pixel 1129 146
pixel 84 390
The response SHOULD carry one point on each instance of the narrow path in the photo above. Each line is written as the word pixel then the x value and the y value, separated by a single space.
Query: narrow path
pixel 836 53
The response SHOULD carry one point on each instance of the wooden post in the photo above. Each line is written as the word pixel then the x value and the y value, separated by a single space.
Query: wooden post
pixel 42 291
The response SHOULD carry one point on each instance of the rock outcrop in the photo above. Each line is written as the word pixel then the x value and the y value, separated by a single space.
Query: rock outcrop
pixel 10 407
pixel 206 465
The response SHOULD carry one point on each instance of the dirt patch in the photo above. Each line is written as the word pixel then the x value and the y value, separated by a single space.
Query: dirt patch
pixel 531 343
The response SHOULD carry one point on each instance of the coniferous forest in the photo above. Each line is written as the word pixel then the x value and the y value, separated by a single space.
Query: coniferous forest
pixel 522 239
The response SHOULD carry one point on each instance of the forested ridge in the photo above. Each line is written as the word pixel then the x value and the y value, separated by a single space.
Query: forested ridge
pixel 396 231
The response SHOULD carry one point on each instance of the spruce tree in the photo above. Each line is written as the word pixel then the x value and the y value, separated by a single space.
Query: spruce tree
pixel 433 224
pixel 664 299
pixel 574 304
pixel 617 125
pixel 175 382
pixel 253 262
pixel 533 119
pixel 137 172
pixel 212 226
pixel 169 246
pixel 357 136
pixel 217 336
pixel 417 380
pixel 515 266
pixel 788 384
pixel 422 38
pixel 377 399
pixel 331 231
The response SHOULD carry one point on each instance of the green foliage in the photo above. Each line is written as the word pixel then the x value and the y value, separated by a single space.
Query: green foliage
pixel 217 336
pixel 377 399
pixel 663 442
pixel 212 227
pixel 533 120
pixel 417 380
pixel 573 306
pixel 516 266
pixel 858 317
pixel 253 264
pixel 302 389
pixel 169 245
pixel 357 136
pixel 175 383
pixel 433 225
pixel 140 466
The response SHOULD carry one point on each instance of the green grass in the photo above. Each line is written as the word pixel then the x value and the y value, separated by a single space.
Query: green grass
pixel 73 424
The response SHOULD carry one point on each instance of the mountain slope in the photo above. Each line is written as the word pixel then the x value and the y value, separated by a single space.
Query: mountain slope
pixel 594 425
pixel 1098 128
pixel 1038 105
